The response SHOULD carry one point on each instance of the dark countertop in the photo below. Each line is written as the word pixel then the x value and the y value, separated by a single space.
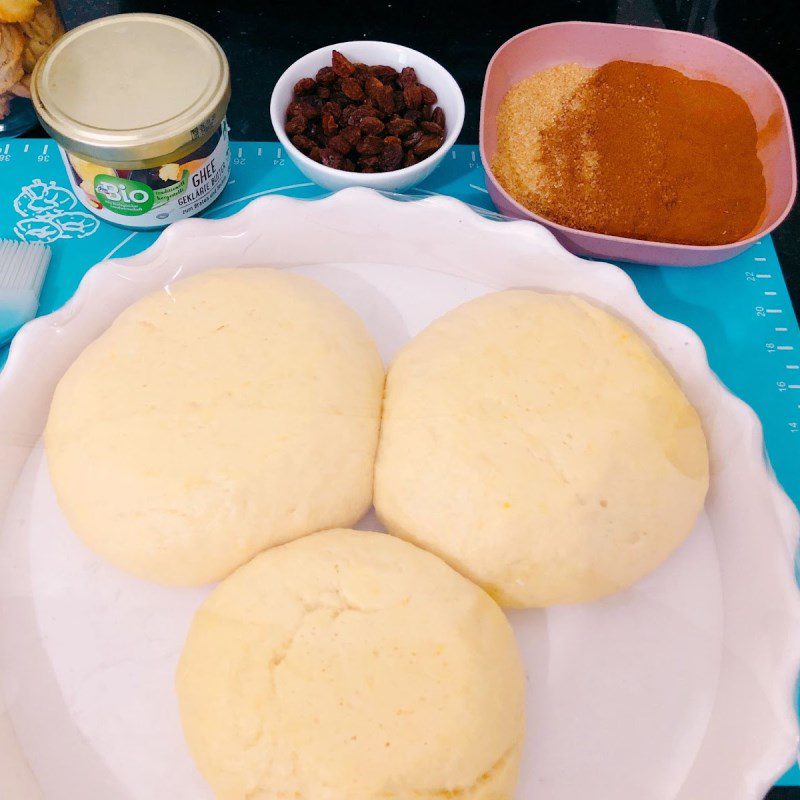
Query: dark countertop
pixel 261 39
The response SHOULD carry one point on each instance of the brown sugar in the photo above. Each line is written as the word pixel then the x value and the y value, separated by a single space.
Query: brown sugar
pixel 633 150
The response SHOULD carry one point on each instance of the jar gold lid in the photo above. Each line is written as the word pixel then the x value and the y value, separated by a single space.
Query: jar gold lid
pixel 132 88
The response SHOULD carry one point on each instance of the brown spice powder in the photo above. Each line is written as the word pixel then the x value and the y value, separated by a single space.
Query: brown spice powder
pixel 636 150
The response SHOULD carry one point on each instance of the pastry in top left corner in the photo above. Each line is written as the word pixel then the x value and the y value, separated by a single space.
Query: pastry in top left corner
pixel 227 413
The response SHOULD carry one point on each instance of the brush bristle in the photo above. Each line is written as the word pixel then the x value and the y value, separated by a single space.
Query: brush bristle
pixel 23 266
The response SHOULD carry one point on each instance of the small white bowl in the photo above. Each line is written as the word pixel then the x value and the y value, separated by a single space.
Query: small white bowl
pixel 429 72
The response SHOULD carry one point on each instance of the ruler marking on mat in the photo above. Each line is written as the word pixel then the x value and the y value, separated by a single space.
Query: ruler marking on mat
pixel 774 311
pixel 259 152
pixel 44 149
pixel 760 258
pixel 26 148
pixel 781 330
pixel 770 294
pixel 763 275
pixel 785 347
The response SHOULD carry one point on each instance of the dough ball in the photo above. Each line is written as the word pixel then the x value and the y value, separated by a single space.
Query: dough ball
pixel 537 444
pixel 235 410
pixel 352 666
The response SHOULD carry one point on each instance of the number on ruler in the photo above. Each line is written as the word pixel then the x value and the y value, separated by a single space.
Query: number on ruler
pixel 750 276
pixel 278 162
pixel 240 161
pixel 794 427
pixel 43 157
pixel 761 311
pixel 5 156
pixel 781 385
pixel 770 347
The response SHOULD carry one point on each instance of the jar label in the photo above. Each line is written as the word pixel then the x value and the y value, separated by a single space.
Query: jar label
pixel 157 196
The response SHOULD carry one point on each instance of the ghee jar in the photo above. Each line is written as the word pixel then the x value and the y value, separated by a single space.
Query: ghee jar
pixel 136 103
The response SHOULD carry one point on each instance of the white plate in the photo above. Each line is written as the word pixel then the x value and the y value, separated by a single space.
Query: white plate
pixel 681 688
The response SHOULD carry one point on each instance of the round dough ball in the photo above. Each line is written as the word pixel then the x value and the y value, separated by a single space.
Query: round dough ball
pixel 352 666
pixel 537 444
pixel 236 410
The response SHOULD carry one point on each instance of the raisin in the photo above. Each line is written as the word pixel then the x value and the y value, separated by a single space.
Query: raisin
pixel 340 143
pixel 386 100
pixel 411 141
pixel 295 109
pixel 362 112
pixel 368 170
pixel 352 88
pixel 428 95
pixel 348 165
pixel 427 145
pixel 371 125
pixel 407 77
pixel 368 161
pixel 410 159
pixel 413 114
pixel 324 92
pixel 399 101
pixel 438 116
pixel 329 126
pixel 326 76
pixel 383 72
pixel 334 109
pixel 304 107
pixel 351 135
pixel 370 146
pixel 374 88
pixel 431 127
pixel 331 158
pixel 296 125
pixel 392 155
pixel 302 143
pixel 400 127
pixel 314 154
pixel 427 113
pixel 342 66
pixel 304 86
pixel 412 94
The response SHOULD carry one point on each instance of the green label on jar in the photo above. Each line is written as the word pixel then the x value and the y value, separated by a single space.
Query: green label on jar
pixel 130 198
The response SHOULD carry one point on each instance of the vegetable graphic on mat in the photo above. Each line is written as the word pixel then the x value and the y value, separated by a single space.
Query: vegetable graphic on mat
pixel 47 211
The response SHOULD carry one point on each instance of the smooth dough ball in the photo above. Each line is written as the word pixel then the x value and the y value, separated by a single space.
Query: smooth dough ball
pixel 235 410
pixel 537 444
pixel 352 666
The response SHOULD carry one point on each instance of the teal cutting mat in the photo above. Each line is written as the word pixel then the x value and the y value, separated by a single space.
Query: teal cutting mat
pixel 740 308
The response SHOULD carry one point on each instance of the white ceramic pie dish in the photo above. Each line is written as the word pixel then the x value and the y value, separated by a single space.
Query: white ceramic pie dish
pixel 681 688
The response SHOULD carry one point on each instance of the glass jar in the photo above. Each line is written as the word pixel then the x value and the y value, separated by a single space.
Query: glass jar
pixel 27 29
pixel 137 105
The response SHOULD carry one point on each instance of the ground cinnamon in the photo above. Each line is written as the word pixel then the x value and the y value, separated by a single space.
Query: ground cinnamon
pixel 643 151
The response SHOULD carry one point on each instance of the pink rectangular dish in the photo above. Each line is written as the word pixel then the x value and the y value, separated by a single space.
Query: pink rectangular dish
pixel 596 43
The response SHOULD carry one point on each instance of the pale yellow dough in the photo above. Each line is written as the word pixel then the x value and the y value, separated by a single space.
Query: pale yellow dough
pixel 235 410
pixel 352 666
pixel 537 444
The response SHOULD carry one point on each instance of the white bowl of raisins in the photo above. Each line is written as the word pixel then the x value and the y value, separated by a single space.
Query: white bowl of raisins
pixel 367 114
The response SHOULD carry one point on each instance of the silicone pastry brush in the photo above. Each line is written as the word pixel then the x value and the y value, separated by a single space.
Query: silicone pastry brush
pixel 22 269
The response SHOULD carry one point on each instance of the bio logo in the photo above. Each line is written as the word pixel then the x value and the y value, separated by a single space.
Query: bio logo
pixel 122 196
